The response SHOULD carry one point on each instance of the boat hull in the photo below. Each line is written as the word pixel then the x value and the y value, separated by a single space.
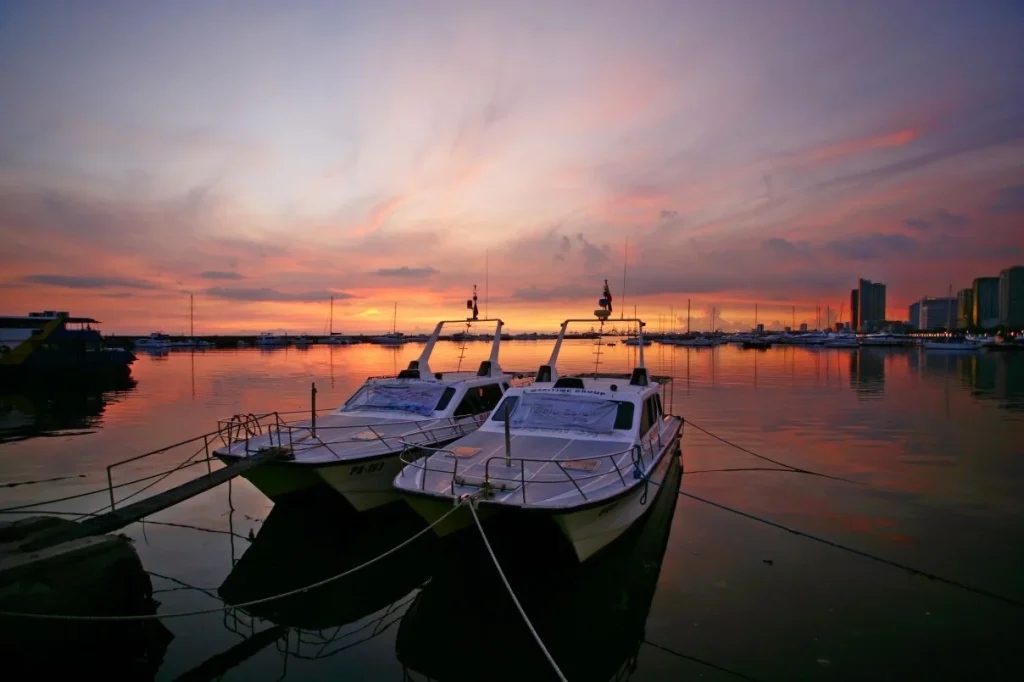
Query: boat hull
pixel 365 484
pixel 279 481
pixel 591 530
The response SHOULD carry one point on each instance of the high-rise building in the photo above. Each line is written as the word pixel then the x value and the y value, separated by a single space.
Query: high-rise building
pixel 803 326
pixel 870 305
pixel 1011 297
pixel 915 315
pixel 986 302
pixel 938 313
pixel 965 308
pixel 854 309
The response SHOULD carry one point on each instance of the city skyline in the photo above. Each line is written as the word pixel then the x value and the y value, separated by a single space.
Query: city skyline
pixel 739 155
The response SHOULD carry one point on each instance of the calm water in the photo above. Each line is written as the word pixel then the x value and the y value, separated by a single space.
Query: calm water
pixel 936 439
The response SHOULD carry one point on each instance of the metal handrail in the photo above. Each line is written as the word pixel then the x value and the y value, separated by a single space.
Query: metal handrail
pixel 613 457
pixel 443 428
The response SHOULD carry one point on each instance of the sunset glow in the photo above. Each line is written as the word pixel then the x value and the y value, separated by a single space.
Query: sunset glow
pixel 266 156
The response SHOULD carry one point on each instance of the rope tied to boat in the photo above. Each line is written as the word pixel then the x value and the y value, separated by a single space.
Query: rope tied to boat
pixel 636 453
pixel 472 500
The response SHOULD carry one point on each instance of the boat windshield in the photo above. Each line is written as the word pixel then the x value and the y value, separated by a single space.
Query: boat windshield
pixel 567 412
pixel 422 398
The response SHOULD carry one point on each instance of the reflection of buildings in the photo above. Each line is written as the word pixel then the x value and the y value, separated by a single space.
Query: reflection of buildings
pixel 1011 297
pixel 35 412
pixel 986 302
pixel 867 372
pixel 870 305
pixel 964 308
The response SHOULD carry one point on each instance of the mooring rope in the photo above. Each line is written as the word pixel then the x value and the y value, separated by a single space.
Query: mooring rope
pixel 240 605
pixel 867 555
pixel 769 459
pixel 515 600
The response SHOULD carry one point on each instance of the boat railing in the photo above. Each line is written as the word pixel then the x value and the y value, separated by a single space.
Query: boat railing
pixel 644 453
pixel 257 432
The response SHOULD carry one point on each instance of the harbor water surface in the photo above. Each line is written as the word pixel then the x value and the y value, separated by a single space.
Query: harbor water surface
pixel 932 441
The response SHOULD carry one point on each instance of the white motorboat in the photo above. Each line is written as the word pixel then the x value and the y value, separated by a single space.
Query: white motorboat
pixel 842 341
pixel 155 341
pixel 336 339
pixel 355 449
pixel 270 340
pixel 389 339
pixel 636 341
pixel 393 337
pixel 951 345
pixel 694 342
pixel 577 449
pixel 887 339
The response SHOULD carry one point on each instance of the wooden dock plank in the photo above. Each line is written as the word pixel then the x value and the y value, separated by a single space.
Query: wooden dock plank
pixel 119 518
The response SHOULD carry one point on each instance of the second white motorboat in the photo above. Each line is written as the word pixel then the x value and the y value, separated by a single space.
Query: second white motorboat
pixel 577 449
pixel 355 449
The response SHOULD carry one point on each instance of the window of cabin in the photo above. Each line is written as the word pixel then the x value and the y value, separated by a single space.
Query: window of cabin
pixel 510 402
pixel 479 399
pixel 645 418
pixel 658 409
pixel 624 417
pixel 446 398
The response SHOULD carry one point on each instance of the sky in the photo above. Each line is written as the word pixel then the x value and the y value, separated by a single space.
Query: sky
pixel 266 156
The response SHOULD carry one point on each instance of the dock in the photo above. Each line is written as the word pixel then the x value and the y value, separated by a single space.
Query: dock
pixel 119 518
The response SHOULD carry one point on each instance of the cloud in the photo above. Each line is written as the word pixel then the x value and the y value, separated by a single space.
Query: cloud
pixel 594 256
pixel 267 295
pixel 873 246
pixel 1007 201
pixel 406 271
pixel 220 274
pixel 940 219
pixel 89 282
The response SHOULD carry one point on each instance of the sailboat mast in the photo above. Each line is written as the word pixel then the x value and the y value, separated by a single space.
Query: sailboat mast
pixel 191 318
pixel 625 261
pixel 394 320
pixel 330 324
pixel 755 317
pixel 687 316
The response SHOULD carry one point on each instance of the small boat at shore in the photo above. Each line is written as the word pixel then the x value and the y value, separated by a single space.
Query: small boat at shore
pixel 575 449
pixel 355 449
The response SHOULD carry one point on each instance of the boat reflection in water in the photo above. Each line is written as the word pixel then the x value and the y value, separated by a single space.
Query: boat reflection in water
pixel 304 541
pixel 591 616
pixel 41 411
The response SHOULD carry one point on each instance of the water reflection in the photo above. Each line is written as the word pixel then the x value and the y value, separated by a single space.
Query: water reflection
pixel 46 410
pixel 592 617
pixel 867 372
pixel 995 377
pixel 305 541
